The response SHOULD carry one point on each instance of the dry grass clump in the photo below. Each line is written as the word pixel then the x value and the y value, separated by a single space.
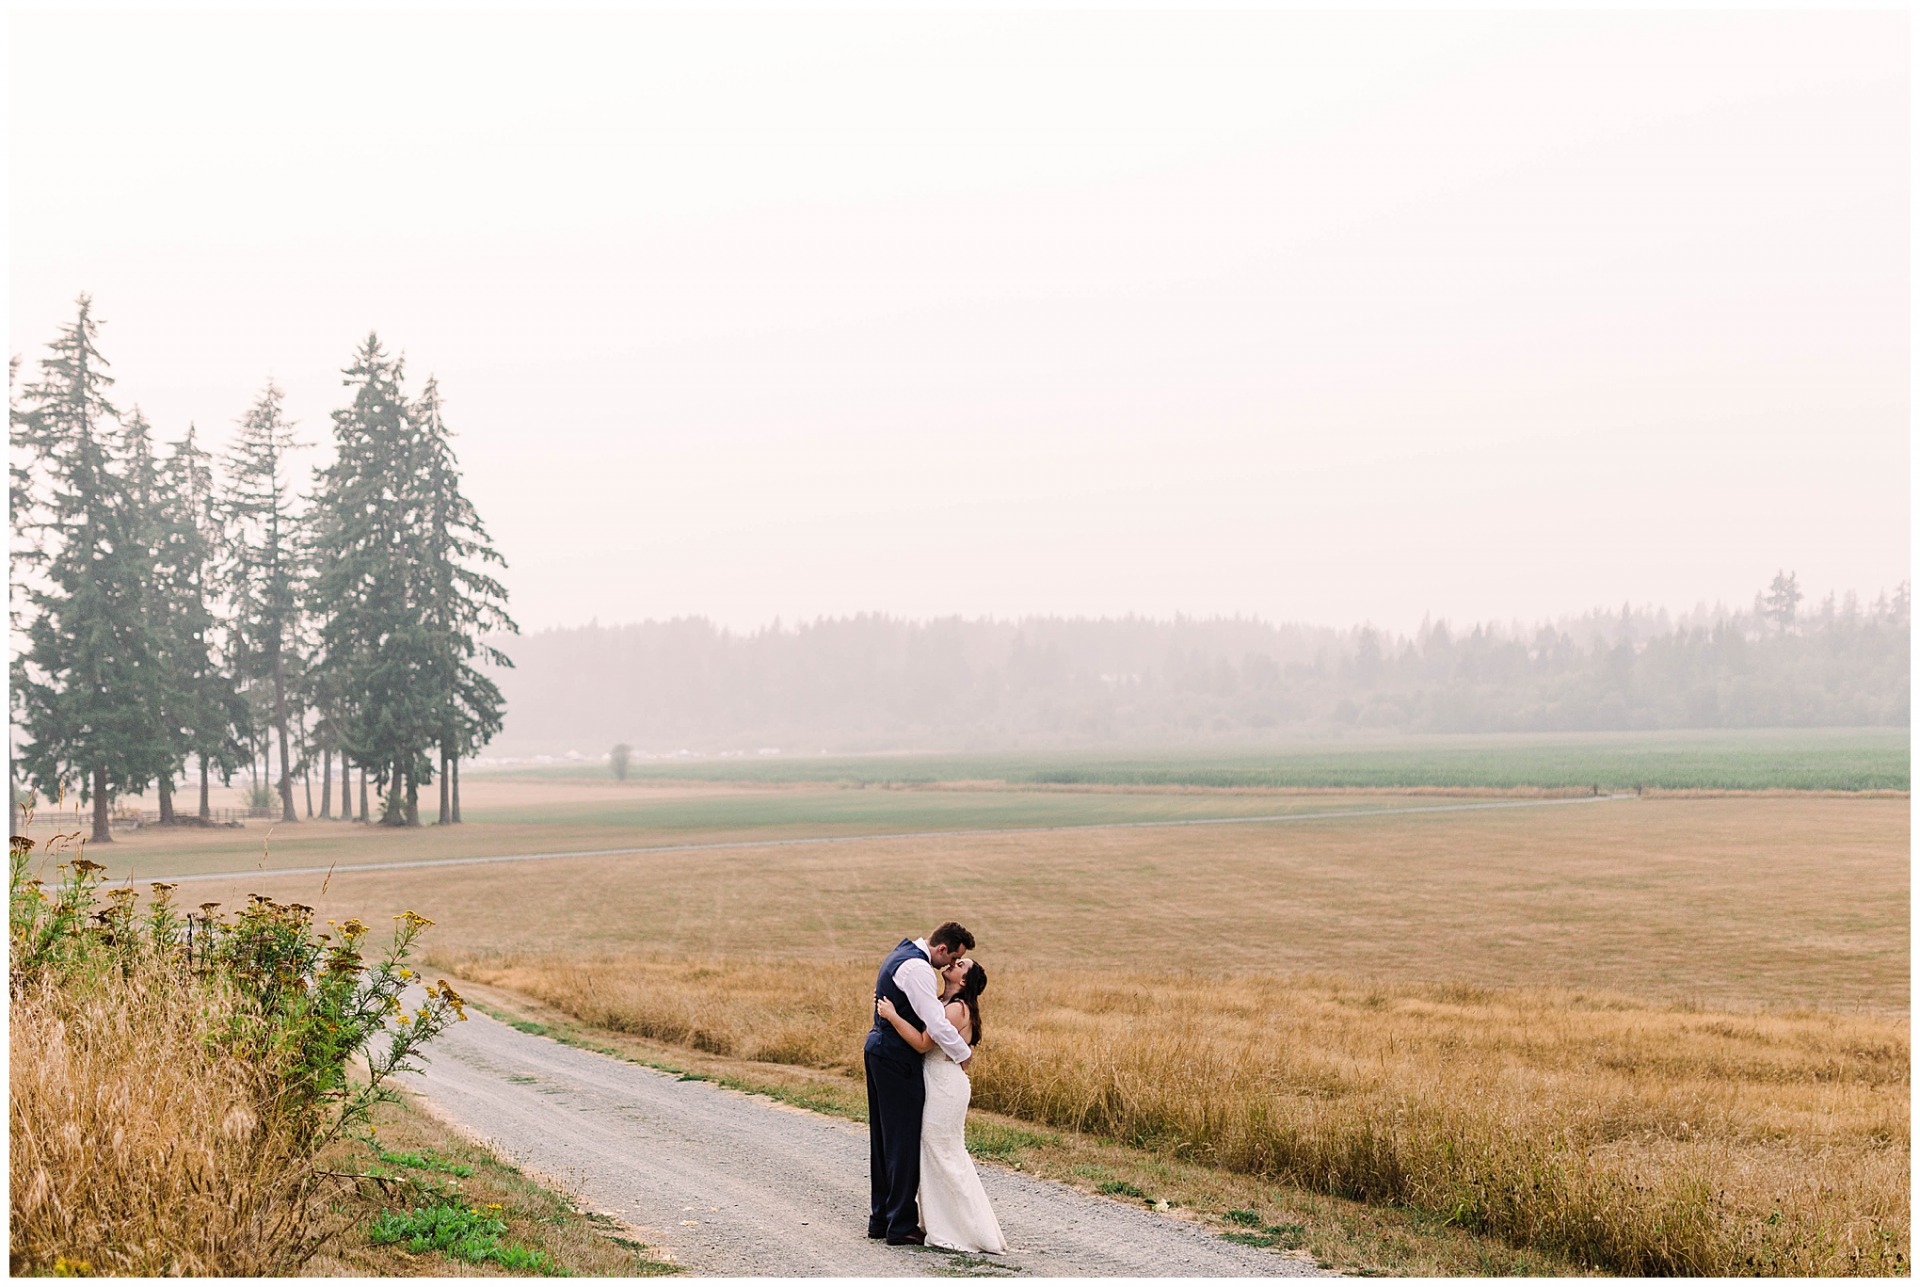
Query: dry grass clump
pixel 139 1147
pixel 1636 1137
pixel 173 1076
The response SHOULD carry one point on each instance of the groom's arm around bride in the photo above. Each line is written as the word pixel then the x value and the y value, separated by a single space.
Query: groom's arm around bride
pixel 922 986
pixel 896 1089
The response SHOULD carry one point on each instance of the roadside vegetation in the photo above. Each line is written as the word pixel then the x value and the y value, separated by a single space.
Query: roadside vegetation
pixel 174 1075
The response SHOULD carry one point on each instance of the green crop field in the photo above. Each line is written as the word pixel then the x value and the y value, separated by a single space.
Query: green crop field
pixel 1858 759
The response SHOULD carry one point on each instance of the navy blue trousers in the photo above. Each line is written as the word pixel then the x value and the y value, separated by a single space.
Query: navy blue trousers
pixel 896 1095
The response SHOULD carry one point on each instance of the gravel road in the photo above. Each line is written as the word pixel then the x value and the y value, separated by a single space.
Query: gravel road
pixel 733 1184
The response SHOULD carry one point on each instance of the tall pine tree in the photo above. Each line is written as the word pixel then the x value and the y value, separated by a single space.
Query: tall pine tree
pixel 373 644
pixel 209 709
pixel 460 603
pixel 146 523
pixel 84 685
pixel 264 566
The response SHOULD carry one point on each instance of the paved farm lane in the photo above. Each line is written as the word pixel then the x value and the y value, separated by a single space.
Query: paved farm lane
pixel 739 1185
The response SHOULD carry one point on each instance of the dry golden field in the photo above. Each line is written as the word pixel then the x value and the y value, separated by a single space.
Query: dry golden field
pixel 1724 901
pixel 1654 1035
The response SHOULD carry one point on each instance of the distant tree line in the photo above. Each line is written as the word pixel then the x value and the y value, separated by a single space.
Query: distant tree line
pixel 874 682
pixel 170 613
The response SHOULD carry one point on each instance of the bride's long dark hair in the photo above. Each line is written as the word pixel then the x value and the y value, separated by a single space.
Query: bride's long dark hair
pixel 972 984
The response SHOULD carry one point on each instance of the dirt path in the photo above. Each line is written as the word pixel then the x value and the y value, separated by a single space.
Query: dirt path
pixel 733 1184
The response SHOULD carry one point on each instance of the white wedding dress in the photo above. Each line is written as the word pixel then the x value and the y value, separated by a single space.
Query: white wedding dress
pixel 953 1206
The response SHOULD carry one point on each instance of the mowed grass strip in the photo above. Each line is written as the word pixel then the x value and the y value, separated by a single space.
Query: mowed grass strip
pixel 1637 1138
pixel 504 817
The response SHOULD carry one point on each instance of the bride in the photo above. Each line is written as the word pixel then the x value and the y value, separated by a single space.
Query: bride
pixel 953 1206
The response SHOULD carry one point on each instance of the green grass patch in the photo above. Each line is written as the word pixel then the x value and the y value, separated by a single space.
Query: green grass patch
pixel 1003 1143
pixel 1255 1232
pixel 965 1264
pixel 1250 1239
pixel 461 1233
pixel 426 1162
pixel 1122 1189
pixel 1819 759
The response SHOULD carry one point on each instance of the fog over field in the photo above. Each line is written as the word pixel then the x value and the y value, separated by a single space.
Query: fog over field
pixel 880 683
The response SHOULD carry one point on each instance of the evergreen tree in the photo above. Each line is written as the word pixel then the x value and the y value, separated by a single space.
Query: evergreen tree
pixel 373 644
pixel 459 601
pixel 146 532
pixel 210 710
pixel 84 683
pixel 1783 598
pixel 261 529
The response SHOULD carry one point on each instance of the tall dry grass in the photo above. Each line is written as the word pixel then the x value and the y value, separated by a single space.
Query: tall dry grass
pixel 139 1146
pixel 1639 1138
pixel 173 1078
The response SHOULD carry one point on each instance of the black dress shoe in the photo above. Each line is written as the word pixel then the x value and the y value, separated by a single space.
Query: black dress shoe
pixel 876 1233
pixel 914 1239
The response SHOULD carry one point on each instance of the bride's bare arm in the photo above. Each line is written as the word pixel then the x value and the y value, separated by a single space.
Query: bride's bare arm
pixel 908 1033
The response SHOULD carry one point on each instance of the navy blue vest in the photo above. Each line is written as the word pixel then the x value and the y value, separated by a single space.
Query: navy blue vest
pixel 882 1040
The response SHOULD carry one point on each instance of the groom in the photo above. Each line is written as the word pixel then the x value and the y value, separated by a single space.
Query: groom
pixel 896 1091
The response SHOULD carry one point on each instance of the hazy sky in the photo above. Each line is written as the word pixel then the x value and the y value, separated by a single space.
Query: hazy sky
pixel 1320 318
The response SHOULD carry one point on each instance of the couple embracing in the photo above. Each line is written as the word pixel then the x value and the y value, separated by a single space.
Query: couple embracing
pixel 917 1093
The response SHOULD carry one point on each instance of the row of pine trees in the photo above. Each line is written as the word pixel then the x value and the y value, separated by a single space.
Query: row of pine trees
pixel 176 617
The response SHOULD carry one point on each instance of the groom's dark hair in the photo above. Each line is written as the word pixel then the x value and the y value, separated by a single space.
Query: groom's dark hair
pixel 952 935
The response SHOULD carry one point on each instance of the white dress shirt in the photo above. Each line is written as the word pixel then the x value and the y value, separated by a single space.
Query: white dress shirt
pixel 917 979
